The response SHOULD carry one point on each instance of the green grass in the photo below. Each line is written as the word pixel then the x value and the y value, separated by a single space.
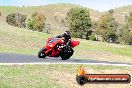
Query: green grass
pixel 95 46
pixel 40 76
pixel 28 76
pixel 104 51
pixel 20 40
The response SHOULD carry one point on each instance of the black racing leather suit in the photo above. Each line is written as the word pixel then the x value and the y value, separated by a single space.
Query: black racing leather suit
pixel 67 38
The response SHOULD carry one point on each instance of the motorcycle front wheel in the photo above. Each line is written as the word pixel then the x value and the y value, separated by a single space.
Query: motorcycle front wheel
pixel 41 53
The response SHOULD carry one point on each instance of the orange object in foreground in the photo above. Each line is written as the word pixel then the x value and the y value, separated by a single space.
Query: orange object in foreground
pixel 82 78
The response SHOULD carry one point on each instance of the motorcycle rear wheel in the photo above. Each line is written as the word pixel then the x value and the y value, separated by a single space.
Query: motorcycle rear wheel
pixel 66 55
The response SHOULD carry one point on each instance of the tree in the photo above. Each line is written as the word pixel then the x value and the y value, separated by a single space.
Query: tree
pixel 107 27
pixel 79 22
pixel 36 22
pixel 124 31
pixel 125 37
pixel 16 19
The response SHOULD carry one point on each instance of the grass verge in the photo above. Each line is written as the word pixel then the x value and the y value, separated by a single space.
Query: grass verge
pixel 55 76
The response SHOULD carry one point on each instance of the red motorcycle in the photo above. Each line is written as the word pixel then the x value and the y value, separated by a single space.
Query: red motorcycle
pixel 56 47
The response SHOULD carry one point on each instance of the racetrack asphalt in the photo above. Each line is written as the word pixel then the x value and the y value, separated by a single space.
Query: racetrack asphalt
pixel 23 58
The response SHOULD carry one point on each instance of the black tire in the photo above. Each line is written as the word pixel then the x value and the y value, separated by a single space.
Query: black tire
pixel 66 55
pixel 41 53
pixel 81 80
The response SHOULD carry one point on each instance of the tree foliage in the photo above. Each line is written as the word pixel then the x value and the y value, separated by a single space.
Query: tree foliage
pixel 125 32
pixel 36 22
pixel 79 22
pixel 125 37
pixel 16 19
pixel 107 27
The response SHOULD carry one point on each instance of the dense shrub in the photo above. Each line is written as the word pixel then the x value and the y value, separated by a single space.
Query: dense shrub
pixel 79 22
pixel 16 19
pixel 36 22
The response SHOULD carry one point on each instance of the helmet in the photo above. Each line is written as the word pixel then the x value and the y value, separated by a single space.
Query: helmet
pixel 67 33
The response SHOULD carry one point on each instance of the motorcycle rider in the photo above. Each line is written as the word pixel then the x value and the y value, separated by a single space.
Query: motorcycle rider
pixel 66 36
